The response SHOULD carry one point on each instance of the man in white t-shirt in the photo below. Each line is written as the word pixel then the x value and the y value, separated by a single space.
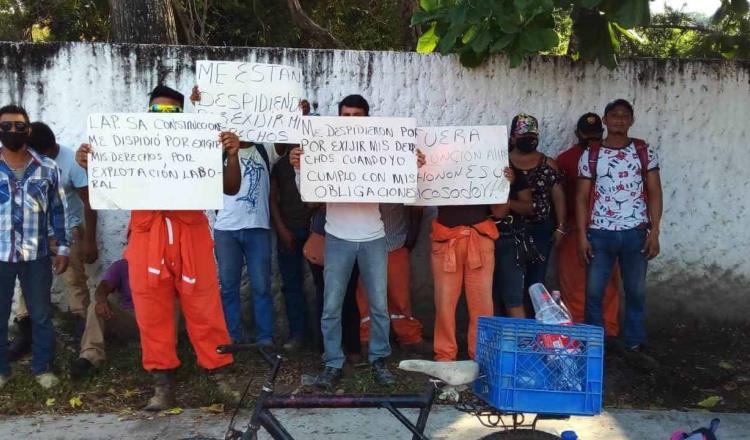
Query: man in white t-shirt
pixel 80 222
pixel 354 233
pixel 619 204
pixel 242 235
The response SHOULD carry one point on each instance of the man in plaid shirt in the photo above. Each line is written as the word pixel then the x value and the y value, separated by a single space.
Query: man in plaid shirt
pixel 31 200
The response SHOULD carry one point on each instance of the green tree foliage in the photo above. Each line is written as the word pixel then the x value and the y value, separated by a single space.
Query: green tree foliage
pixel 64 20
pixel 677 34
pixel 590 29
pixel 517 28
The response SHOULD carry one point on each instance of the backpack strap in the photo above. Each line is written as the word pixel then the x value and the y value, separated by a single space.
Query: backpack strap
pixel 593 152
pixel 641 149
pixel 264 154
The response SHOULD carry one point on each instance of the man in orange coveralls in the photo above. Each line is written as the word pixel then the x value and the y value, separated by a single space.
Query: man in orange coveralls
pixel 170 254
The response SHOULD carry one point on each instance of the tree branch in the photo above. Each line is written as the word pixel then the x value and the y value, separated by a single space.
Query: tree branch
pixel 696 28
pixel 304 22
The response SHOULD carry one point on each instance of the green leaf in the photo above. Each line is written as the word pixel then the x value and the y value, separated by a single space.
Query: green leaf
pixel 428 41
pixel 535 39
pixel 613 37
pixel 502 42
pixel 516 58
pixel 709 402
pixel 470 34
pixel 509 23
pixel 631 13
pixel 429 5
pixel 481 41
pixel 631 34
pixel 469 58
pixel 448 41
pixel 420 17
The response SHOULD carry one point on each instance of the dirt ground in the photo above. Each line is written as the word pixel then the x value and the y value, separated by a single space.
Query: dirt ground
pixel 701 366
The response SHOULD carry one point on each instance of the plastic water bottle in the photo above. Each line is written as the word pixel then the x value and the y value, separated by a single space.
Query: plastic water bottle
pixel 562 352
pixel 546 308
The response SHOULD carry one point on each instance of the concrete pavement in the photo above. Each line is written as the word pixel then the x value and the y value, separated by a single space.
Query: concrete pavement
pixel 323 424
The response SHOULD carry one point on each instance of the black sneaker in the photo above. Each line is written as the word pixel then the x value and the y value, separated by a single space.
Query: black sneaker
pixel 639 359
pixel 328 378
pixel 383 376
pixel 80 368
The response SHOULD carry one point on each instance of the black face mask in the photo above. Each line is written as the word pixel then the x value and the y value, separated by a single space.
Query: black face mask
pixel 14 140
pixel 526 145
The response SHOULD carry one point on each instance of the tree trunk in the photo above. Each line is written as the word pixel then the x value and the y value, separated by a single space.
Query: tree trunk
pixel 142 21
pixel 408 34
pixel 306 24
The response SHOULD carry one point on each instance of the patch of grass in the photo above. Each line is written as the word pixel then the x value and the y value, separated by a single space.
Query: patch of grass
pixel 122 386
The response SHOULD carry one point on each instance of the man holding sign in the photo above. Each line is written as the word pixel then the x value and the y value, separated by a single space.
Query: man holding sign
pixel 170 255
pixel 467 178
pixel 354 230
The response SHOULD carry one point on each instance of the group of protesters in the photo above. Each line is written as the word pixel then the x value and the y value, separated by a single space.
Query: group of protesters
pixel 598 205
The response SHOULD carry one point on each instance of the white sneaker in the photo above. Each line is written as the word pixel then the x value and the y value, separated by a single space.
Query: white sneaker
pixel 47 380
pixel 3 381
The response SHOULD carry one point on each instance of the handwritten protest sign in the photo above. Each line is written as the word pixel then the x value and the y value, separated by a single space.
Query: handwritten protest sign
pixel 260 102
pixel 359 159
pixel 155 161
pixel 464 165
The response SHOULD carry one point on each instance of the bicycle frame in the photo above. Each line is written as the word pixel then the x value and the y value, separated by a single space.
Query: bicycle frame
pixel 393 404
pixel 267 400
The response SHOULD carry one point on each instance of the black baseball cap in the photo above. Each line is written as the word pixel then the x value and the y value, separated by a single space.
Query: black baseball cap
pixel 162 91
pixel 619 102
pixel 590 123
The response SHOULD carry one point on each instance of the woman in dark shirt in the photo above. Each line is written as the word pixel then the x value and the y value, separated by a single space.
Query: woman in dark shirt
pixel 508 278
pixel 546 223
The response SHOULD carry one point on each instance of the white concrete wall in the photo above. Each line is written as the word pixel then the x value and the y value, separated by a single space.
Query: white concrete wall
pixel 694 112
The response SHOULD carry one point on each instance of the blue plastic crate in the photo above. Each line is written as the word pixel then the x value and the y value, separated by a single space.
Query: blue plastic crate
pixel 536 368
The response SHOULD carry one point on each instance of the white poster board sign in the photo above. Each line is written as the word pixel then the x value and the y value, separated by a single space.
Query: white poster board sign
pixel 260 102
pixel 155 161
pixel 358 159
pixel 464 165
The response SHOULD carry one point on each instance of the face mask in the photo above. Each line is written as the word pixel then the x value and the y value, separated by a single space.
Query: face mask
pixel 526 145
pixel 14 140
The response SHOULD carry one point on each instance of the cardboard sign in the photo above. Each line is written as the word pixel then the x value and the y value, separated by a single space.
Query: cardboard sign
pixel 155 161
pixel 464 165
pixel 260 102
pixel 359 159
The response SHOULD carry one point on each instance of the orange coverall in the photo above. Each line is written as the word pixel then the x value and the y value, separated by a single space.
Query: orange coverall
pixel 463 256
pixel 170 254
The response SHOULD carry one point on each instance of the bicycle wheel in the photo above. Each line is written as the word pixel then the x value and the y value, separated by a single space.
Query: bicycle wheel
pixel 522 434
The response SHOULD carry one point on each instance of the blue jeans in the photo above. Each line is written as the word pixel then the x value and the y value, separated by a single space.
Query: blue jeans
pixel 372 259
pixel 36 282
pixel 233 249
pixel 292 270
pixel 624 247
pixel 507 281
pixel 542 235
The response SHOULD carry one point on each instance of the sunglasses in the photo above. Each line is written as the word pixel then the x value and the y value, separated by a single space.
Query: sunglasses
pixel 8 125
pixel 164 108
